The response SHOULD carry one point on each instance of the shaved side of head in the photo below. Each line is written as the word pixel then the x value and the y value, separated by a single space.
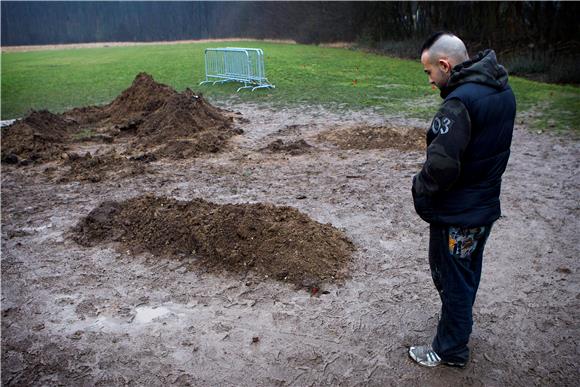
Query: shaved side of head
pixel 449 47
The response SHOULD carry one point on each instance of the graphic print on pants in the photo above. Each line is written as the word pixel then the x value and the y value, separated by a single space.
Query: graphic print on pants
pixel 463 241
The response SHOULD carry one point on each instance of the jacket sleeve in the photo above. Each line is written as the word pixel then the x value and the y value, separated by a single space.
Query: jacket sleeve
pixel 452 127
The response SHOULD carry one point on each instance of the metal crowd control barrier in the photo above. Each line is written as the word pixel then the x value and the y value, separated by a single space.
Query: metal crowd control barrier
pixel 236 64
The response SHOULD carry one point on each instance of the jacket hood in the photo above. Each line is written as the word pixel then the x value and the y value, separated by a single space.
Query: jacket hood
pixel 482 69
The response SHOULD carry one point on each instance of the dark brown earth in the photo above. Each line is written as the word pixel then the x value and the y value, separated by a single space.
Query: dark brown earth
pixel 40 136
pixel 98 313
pixel 271 241
pixel 376 137
pixel 133 105
pixel 184 126
pixel 297 147
pixel 96 168
pixel 146 117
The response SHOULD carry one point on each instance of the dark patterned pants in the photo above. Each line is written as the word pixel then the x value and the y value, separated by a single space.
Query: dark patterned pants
pixel 455 258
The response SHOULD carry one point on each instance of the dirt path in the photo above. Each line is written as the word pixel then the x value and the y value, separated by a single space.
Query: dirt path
pixel 125 44
pixel 94 315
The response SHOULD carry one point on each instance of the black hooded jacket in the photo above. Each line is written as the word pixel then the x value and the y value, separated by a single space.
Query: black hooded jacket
pixel 468 146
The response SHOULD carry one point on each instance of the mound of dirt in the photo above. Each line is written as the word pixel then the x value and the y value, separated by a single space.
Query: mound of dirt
pixel 278 242
pixel 159 119
pixel 142 98
pixel 376 137
pixel 163 121
pixel 181 115
pixel 96 168
pixel 185 126
pixel 294 148
pixel 40 136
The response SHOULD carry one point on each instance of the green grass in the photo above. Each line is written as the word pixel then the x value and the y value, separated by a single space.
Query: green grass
pixel 304 75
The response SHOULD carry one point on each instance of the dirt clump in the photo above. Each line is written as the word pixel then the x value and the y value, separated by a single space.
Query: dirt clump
pixel 162 120
pixel 275 242
pixel 185 126
pixel 96 168
pixel 40 136
pixel 293 148
pixel 142 98
pixel 181 115
pixel 195 145
pixel 156 118
pixel 154 113
pixel 376 137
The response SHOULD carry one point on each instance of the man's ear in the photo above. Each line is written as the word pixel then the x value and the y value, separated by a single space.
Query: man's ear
pixel 444 65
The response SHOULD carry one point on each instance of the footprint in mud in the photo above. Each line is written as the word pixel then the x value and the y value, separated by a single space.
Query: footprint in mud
pixel 85 309
pixel 289 130
pixel 221 328
pixel 147 314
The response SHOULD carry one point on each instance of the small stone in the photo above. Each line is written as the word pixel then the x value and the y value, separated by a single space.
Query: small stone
pixel 77 335
pixel 38 327
pixel 11 159
pixel 564 270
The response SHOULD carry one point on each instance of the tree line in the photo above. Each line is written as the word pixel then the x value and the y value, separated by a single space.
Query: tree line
pixel 502 25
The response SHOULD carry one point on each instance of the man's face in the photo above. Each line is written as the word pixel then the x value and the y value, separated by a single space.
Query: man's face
pixel 438 73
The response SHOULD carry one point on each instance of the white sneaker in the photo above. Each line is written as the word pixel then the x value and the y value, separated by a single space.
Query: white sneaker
pixel 426 356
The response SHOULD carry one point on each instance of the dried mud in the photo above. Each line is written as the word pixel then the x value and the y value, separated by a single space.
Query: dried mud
pixel 276 242
pixel 103 313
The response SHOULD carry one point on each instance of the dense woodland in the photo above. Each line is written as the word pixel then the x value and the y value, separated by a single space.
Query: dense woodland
pixel 539 30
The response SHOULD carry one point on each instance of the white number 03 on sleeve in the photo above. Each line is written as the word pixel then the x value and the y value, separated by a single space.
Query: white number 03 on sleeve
pixel 441 125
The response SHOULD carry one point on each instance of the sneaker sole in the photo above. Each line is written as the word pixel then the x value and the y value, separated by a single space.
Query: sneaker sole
pixel 457 365
pixel 430 365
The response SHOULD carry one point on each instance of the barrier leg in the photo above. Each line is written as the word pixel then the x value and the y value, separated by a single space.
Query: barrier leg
pixel 263 87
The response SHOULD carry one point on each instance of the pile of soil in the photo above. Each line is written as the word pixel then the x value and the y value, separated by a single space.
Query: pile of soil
pixel 185 126
pixel 161 120
pixel 142 98
pixel 294 148
pixel 96 168
pixel 40 136
pixel 376 137
pixel 157 118
pixel 277 242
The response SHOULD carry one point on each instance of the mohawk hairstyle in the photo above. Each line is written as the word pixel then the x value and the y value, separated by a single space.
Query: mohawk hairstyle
pixel 432 39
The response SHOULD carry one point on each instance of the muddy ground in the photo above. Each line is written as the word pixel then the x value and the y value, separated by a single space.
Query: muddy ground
pixel 102 315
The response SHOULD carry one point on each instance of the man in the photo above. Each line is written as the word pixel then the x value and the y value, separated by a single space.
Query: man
pixel 457 190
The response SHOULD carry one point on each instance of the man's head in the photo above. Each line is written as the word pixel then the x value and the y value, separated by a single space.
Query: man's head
pixel 439 54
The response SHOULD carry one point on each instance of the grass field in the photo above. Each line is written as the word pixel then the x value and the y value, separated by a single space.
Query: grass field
pixel 336 78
